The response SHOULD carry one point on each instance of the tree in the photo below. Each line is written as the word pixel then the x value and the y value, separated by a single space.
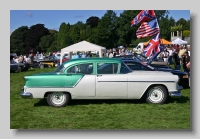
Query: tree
pixel 105 33
pixel 36 32
pixel 46 42
pixel 165 25
pixel 161 13
pixel 62 39
pixel 125 32
pixel 17 40
pixel 185 24
pixel 92 21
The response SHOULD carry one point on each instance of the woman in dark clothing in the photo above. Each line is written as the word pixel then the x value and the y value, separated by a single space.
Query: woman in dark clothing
pixel 186 60
pixel 176 60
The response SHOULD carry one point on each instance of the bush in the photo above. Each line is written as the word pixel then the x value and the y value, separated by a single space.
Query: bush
pixel 186 33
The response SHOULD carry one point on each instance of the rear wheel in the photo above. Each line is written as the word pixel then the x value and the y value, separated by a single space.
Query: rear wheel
pixel 156 95
pixel 58 99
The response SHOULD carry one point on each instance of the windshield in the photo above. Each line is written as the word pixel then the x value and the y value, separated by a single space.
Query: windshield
pixel 60 69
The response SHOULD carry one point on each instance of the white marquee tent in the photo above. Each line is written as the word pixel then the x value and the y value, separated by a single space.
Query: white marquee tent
pixel 83 46
pixel 179 41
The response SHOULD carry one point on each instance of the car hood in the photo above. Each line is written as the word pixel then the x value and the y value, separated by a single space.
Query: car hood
pixel 177 72
pixel 153 58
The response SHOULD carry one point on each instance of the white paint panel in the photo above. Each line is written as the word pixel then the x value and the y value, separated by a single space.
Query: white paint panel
pixel 85 87
pixel 111 85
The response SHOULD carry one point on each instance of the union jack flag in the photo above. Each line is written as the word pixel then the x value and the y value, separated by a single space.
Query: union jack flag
pixel 153 46
pixel 148 29
pixel 144 15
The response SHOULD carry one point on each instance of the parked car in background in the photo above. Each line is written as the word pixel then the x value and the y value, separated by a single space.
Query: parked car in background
pixel 64 59
pixel 136 65
pixel 100 78
pixel 154 61
pixel 18 67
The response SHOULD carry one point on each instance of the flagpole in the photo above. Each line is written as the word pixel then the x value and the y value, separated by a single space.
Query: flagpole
pixel 160 34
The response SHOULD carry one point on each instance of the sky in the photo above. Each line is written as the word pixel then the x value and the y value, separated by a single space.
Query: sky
pixel 52 19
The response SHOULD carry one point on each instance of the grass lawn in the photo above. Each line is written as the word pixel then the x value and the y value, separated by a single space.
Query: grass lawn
pixel 95 114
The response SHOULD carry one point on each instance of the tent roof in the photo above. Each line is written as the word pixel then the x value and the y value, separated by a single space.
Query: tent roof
pixel 83 46
pixel 163 41
pixel 179 41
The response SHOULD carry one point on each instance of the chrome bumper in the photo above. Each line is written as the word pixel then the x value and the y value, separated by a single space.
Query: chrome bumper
pixel 26 95
pixel 176 93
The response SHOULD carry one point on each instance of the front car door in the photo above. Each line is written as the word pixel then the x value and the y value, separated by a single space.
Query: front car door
pixel 109 83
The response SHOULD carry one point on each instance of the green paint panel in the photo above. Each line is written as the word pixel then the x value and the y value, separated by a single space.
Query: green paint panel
pixel 52 80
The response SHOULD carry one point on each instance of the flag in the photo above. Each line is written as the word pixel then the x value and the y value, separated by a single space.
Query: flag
pixel 153 46
pixel 148 29
pixel 144 15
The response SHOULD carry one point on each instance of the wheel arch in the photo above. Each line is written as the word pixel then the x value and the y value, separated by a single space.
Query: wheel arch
pixel 153 85
pixel 46 94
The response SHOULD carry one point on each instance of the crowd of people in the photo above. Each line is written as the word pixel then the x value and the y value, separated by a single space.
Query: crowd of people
pixel 179 55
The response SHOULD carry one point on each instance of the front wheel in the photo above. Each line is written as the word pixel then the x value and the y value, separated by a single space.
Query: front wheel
pixel 58 99
pixel 156 95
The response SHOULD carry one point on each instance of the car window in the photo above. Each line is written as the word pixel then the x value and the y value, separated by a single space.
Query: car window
pixel 107 68
pixel 81 69
pixel 60 69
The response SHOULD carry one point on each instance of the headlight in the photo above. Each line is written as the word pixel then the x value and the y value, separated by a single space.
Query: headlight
pixel 185 76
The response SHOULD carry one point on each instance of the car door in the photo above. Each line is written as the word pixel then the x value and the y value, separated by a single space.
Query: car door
pixel 80 80
pixel 109 83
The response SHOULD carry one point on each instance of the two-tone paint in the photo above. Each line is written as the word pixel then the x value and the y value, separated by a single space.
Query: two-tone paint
pixel 131 85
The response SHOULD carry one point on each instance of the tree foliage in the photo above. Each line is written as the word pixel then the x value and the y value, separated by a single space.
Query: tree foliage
pixel 92 21
pixel 35 33
pixel 18 40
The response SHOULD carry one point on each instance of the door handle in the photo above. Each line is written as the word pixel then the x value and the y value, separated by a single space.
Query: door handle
pixel 99 75
pixel 69 75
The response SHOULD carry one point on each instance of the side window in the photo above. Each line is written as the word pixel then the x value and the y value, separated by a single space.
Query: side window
pixel 81 69
pixel 107 68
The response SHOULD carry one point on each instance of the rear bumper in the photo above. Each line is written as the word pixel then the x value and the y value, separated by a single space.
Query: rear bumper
pixel 177 93
pixel 26 95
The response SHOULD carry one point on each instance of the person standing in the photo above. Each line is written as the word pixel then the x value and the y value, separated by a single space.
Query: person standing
pixel 186 60
pixel 176 60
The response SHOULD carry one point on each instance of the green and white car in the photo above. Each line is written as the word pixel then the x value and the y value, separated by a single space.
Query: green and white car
pixel 100 78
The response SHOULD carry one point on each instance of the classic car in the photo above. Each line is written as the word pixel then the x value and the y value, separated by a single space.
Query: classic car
pixel 49 61
pixel 100 78
pixel 153 61
pixel 18 67
pixel 137 65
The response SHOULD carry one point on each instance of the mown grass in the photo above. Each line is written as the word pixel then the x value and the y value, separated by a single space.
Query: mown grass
pixel 95 114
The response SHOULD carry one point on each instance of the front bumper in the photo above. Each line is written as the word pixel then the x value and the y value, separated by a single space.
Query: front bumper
pixel 177 93
pixel 26 95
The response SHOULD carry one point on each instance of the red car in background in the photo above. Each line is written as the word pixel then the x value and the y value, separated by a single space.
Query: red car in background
pixel 63 60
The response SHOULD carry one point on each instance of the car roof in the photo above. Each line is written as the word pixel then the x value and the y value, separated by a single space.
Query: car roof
pixel 80 60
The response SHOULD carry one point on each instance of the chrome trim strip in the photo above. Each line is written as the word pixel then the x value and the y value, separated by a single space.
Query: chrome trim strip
pixel 26 95
pixel 135 81
pixel 50 87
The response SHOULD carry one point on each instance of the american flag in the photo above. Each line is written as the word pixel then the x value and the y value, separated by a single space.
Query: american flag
pixel 148 29
pixel 153 46
pixel 144 15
